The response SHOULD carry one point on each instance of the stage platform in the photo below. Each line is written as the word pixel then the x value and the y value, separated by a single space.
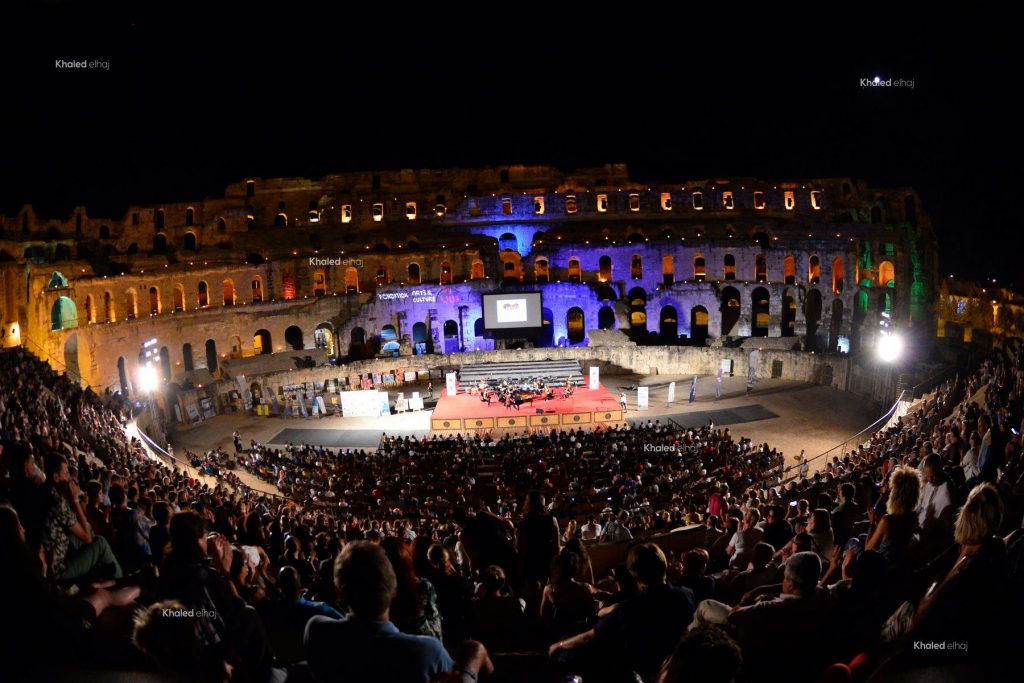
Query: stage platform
pixel 586 408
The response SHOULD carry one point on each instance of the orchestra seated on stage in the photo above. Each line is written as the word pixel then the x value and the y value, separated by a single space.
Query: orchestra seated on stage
pixel 513 393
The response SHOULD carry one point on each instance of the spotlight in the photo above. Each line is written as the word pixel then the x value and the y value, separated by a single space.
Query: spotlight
pixel 148 379
pixel 890 346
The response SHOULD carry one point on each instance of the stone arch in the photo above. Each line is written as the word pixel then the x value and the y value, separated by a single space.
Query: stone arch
pixel 109 307
pixel 508 241
pixel 186 357
pixel 762 239
pixel 730 308
pixel 211 355
pixel 788 312
pixel 414 273
pixel 668 324
pixel 838 275
pixel 606 318
pixel 351 281
pixel 122 376
pixel 547 331
pixel 256 289
pixel 637 310
pixel 154 300
pixel 203 294
pixel 668 269
pixel 636 267
pixel 130 305
pixel 760 312
pixel 324 338
pixel 262 343
pixel 812 312
pixel 760 268
pixel 90 310
pixel 789 270
pixel 699 325
pixel 71 368
pixel 699 268
pixel 420 338
pixel 541 272
pixel 190 242
pixel 476 270
pixel 293 338
pixel 159 243
pixel 229 292
pixel 813 270
pixel 886 274
pixel 451 336
pixel 165 364
pixel 320 281
pixel 606 293
pixel 835 324
pixel 604 268
pixel 575 325
pixel 445 273
pixel 179 297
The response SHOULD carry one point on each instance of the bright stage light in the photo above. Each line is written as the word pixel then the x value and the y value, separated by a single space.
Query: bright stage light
pixel 890 346
pixel 148 379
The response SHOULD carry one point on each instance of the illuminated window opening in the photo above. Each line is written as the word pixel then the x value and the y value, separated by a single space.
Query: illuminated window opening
pixel 540 270
pixel 729 267
pixel 378 212
pixel 816 200
pixel 538 205
pixel 634 201
pixel 814 270
pixel 204 294
pixel 697 199
pixel 759 200
pixel 790 201
pixel 440 210
pixel 760 268
pixel 506 206
pixel 410 210
pixel 570 204
pixel 602 203
pixel 476 271
pixel 699 272
pixel 636 267
pixel 668 269
pixel 574 270
pixel 346 213
pixel 666 201
pixel 446 273
pixel 789 270
pixel 727 201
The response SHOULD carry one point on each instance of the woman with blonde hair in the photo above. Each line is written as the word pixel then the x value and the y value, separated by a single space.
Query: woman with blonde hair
pixel 895 530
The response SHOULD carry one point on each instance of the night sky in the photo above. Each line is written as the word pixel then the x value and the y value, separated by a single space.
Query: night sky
pixel 191 103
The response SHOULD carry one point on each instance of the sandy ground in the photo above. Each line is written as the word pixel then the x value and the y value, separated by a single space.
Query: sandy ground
pixel 810 417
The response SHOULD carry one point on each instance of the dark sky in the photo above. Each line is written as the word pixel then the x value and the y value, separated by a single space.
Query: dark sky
pixel 192 102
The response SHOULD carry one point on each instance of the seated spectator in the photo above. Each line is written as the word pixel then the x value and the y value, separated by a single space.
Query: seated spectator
pixel 895 530
pixel 936 511
pixel 160 533
pixel 590 531
pixel 741 547
pixel 639 633
pixel 72 550
pixel 366 646
pixel 863 601
pixel 764 630
pixel 845 514
pixel 173 645
pixel 760 572
pixel 819 528
pixel 695 563
pixel 706 654
pixel 453 593
pixel 129 529
pixel 968 605
pixel 496 616
pixel 777 529
pixel 287 617
pixel 567 603
pixel 414 607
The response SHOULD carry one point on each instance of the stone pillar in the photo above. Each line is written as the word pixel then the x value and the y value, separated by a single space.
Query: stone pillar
pixel 746 312
pixel 774 312
pixel 434 339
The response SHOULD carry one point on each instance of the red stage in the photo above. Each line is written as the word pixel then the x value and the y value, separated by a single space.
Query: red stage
pixel 467 413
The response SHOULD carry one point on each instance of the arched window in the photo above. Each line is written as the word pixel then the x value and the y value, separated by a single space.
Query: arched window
pixel 131 308
pixel 540 270
pixel 204 294
pixel 256 286
pixel 288 286
pixel 760 268
pixel 760 312
pixel 476 271
pixel 382 276
pixel 186 357
pixel 446 273
pixel 636 267
pixel 293 338
pixel 814 270
pixel 179 298
pixel 280 220
pixel 730 311
pixel 351 281
pixel 211 355
pixel 320 282
pixel 109 308
pixel 229 293
pixel 837 275
pixel 668 269
pixel 159 243
pixel 414 273
pixel 189 242
pixel 604 265
pixel 886 274
pixel 64 314
pixel 699 272
pixel 789 270
pixel 729 267
pixel 575 325
pixel 261 343
pixel 90 310
pixel 190 216
pixel 154 301
pixel 574 270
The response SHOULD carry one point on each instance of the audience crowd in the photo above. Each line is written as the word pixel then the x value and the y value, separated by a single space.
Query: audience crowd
pixel 433 559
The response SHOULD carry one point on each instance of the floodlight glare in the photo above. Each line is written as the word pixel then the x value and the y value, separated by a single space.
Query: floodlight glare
pixel 890 346
pixel 148 378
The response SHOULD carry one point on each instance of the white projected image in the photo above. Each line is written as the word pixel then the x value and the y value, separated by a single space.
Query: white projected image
pixel 512 311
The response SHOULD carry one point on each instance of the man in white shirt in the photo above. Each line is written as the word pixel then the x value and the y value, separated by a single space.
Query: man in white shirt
pixel 971 463
pixel 741 547
pixel 936 512
pixel 590 531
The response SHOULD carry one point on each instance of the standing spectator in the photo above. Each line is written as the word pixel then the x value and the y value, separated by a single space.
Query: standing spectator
pixel 537 544
pixel 845 514
pixel 616 531
pixel 970 464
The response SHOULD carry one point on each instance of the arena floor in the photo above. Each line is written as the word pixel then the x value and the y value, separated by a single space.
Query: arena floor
pixel 787 415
